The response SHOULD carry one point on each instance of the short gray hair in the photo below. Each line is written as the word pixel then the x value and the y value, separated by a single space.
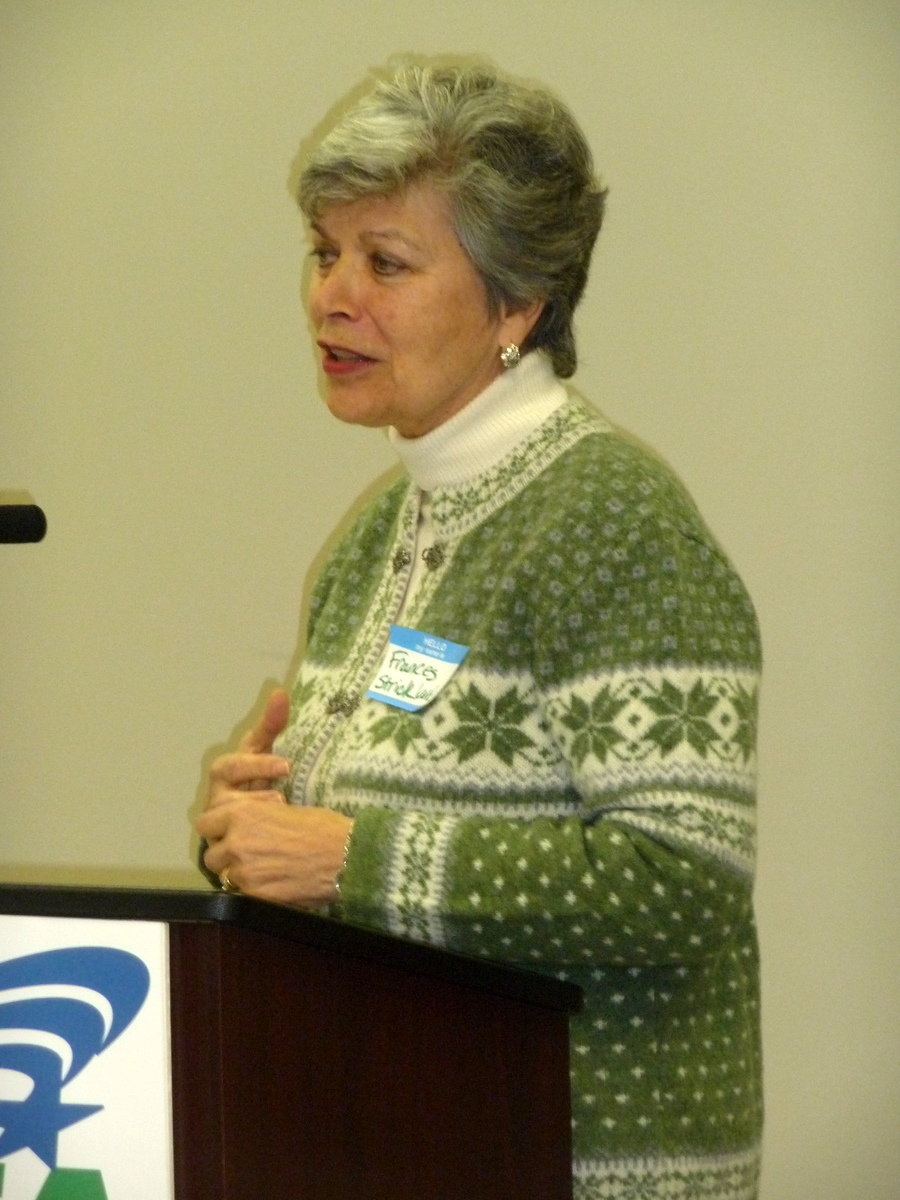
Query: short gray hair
pixel 513 163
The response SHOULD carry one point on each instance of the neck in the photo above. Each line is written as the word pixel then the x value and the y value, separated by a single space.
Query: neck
pixel 487 429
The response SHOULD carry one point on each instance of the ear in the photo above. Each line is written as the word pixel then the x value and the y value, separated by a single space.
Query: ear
pixel 516 326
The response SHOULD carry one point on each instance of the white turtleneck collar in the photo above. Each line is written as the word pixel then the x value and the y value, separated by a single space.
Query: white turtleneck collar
pixel 489 427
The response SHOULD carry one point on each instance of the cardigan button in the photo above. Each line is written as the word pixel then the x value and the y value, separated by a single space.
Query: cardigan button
pixel 434 556
pixel 341 702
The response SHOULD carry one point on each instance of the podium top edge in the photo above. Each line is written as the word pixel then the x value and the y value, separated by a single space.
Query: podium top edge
pixel 260 916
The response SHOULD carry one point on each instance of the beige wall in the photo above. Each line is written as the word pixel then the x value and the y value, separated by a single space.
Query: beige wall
pixel 159 401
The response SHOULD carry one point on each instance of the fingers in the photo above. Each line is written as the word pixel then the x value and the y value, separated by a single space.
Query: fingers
pixel 243 770
pixel 253 767
pixel 260 738
pixel 276 851
pixel 217 820
pixel 233 776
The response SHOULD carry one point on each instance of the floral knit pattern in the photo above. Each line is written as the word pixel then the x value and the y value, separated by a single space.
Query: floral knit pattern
pixel 580 797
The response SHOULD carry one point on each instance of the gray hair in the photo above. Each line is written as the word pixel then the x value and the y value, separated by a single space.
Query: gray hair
pixel 515 168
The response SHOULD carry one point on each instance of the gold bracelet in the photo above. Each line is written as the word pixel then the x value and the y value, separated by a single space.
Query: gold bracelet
pixel 343 867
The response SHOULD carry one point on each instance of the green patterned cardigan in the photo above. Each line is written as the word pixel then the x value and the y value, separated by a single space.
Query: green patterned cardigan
pixel 580 797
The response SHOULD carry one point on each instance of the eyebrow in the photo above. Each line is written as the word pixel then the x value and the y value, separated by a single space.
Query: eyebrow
pixel 388 234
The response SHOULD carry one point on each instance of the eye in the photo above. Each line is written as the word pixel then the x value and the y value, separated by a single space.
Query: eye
pixel 383 264
pixel 325 256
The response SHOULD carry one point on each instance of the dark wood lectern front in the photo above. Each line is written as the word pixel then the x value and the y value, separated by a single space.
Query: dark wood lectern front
pixel 312 1060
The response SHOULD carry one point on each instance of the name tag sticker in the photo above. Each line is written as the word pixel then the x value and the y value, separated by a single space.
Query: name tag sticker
pixel 416 666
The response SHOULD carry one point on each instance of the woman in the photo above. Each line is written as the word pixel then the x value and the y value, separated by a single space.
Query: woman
pixel 577 794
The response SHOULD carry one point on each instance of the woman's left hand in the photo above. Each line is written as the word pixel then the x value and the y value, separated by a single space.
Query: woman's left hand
pixel 274 850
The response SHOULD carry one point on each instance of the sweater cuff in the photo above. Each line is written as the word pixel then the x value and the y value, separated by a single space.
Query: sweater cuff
pixel 364 878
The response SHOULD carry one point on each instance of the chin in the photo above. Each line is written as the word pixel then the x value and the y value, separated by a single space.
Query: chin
pixel 355 411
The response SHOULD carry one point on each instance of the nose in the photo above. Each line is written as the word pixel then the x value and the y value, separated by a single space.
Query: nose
pixel 335 291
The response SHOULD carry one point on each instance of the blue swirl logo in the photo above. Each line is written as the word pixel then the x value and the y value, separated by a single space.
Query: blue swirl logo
pixel 59 1009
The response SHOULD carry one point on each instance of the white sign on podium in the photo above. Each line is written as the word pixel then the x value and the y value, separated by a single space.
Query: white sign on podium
pixel 85 1060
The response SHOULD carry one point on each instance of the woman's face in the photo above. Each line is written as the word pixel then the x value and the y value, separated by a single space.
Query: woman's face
pixel 400 313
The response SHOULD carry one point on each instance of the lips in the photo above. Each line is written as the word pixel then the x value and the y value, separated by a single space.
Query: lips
pixel 341 360
pixel 343 353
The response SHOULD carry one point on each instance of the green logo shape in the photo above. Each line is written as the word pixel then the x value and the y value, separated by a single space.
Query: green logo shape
pixel 70 1183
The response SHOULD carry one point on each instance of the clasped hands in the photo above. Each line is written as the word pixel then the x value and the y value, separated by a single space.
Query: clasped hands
pixel 270 849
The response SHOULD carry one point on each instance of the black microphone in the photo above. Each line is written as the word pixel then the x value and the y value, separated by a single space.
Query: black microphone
pixel 21 523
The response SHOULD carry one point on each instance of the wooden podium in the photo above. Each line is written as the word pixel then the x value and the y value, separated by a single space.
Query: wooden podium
pixel 313 1060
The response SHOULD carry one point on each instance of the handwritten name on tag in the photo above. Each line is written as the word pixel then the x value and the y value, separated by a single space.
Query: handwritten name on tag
pixel 415 668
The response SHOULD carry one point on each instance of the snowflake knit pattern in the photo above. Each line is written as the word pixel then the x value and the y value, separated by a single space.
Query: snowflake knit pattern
pixel 580 797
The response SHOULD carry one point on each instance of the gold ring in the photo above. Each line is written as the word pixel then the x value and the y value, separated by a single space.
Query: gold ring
pixel 226 884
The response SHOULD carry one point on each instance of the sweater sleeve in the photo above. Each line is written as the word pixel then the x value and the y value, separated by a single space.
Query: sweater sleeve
pixel 653 863
pixel 540 891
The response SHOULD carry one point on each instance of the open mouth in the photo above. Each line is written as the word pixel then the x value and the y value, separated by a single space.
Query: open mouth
pixel 338 362
pixel 338 354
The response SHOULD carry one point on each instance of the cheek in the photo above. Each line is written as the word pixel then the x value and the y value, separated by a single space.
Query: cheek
pixel 464 310
pixel 394 320
pixel 428 330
